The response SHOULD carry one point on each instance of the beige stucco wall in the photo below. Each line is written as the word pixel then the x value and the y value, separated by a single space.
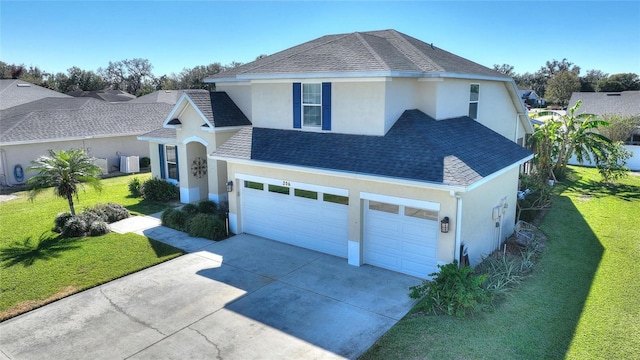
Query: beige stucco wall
pixel 240 93
pixel 400 94
pixel 479 229
pixel 354 185
pixel 110 148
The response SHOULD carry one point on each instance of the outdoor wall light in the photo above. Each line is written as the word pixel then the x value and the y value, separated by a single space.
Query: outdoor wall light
pixel 229 186
pixel 444 225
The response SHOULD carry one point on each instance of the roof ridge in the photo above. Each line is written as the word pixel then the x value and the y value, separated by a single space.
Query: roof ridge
pixel 370 49
pixel 401 37
pixel 272 60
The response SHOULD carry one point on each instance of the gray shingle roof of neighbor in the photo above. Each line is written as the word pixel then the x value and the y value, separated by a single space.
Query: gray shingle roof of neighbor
pixel 161 134
pixel 218 108
pixel 416 148
pixel 67 118
pixel 374 52
pixel 15 92
pixel 625 103
pixel 165 96
pixel 107 95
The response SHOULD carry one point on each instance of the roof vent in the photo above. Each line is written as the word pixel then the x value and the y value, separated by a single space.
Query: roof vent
pixel 614 94
pixel 24 85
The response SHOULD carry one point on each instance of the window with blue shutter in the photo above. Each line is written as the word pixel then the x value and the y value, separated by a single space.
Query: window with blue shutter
pixel 297 105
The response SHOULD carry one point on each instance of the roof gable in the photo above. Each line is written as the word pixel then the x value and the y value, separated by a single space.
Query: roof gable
pixel 416 148
pixel 215 108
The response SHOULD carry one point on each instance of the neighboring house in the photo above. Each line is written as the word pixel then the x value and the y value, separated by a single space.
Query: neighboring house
pixel 371 146
pixel 107 95
pixel 15 92
pixel 626 103
pixel 160 96
pixel 530 97
pixel 106 130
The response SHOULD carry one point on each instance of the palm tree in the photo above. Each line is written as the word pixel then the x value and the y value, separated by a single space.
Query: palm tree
pixel 559 138
pixel 64 171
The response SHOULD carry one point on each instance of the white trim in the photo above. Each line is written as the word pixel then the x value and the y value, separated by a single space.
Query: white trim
pixel 195 139
pixel 75 138
pixel 359 74
pixel 158 140
pixel 180 107
pixel 331 80
pixel 293 184
pixel 427 205
pixel 353 253
pixel 224 129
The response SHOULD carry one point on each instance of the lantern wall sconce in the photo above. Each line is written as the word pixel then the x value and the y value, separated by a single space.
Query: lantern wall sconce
pixel 229 186
pixel 444 225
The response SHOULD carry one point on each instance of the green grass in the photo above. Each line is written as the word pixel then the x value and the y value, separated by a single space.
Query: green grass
pixel 36 266
pixel 582 301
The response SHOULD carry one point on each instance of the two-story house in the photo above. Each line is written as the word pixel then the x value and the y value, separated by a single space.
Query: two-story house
pixel 372 146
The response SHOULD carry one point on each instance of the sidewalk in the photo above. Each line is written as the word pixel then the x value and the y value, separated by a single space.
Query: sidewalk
pixel 150 226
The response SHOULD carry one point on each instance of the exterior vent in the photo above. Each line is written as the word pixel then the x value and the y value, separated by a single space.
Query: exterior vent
pixel 615 94
pixel 24 85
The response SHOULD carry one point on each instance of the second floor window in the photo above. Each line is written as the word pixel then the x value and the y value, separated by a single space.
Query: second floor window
pixel 474 95
pixel 311 105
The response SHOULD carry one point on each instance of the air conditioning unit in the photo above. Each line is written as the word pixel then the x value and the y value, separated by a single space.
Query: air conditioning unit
pixel 129 164
pixel 103 165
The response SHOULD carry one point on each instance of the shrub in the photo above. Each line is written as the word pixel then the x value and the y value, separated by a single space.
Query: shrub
pixel 90 215
pixel 159 190
pixel 135 187
pixel 175 219
pixel 98 228
pixel 190 209
pixel 112 212
pixel 207 207
pixel 207 226
pixel 74 227
pixel 61 219
pixel 144 162
pixel 453 291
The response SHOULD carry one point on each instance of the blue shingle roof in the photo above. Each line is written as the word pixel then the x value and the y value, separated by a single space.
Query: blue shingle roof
pixel 457 151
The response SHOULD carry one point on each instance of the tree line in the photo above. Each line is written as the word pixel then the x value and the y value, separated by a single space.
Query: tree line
pixel 134 76
pixel 556 80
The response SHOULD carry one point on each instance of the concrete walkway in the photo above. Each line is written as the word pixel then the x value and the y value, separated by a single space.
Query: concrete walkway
pixel 242 298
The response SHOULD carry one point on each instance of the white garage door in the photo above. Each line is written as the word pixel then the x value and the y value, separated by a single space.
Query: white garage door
pixel 401 238
pixel 297 214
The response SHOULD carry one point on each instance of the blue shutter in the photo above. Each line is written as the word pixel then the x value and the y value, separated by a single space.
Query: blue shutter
pixel 161 153
pixel 177 165
pixel 297 105
pixel 326 106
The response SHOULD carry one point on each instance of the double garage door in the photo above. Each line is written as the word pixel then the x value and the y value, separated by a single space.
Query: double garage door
pixel 299 214
pixel 397 236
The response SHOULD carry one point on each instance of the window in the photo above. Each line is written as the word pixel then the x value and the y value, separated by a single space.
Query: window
pixel 279 189
pixel 421 213
pixel 311 105
pixel 171 156
pixel 254 185
pixel 306 194
pixel 474 95
pixel 380 206
pixel 336 199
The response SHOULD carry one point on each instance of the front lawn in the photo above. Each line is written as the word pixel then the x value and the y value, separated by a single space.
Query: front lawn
pixel 36 266
pixel 582 301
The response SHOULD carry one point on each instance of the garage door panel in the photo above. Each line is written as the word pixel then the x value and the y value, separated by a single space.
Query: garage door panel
pixel 296 220
pixel 401 243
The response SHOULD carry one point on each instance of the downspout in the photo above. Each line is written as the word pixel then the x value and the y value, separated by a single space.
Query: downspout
pixel 3 160
pixel 458 225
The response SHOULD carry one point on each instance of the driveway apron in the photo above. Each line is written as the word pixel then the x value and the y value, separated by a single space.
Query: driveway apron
pixel 242 298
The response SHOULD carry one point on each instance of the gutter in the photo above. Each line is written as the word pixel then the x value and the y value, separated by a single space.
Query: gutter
pixel 458 241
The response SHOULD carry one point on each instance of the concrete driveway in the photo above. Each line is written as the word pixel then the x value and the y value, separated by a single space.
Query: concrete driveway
pixel 241 298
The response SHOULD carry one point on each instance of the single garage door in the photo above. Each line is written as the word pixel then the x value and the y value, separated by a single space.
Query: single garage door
pixel 401 238
pixel 299 214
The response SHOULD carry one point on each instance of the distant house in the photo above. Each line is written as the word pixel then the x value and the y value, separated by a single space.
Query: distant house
pixel 15 92
pixel 104 95
pixel 160 96
pixel 106 130
pixel 530 97
pixel 375 147
pixel 626 103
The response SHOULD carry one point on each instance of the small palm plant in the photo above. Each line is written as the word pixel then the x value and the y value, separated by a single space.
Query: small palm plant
pixel 65 172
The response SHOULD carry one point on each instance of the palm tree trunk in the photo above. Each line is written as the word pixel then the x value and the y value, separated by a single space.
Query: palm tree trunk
pixel 71 207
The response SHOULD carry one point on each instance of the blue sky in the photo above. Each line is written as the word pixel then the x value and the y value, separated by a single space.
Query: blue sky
pixel 56 35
